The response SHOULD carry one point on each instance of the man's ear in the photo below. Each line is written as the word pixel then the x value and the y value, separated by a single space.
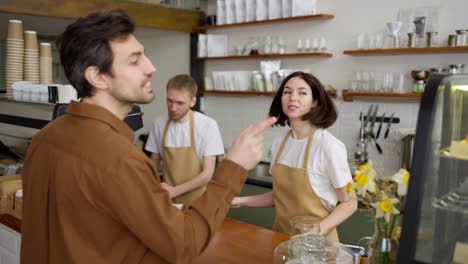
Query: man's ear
pixel 96 78
pixel 193 101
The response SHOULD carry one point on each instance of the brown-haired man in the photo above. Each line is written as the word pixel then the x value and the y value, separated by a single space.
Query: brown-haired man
pixel 91 195
pixel 187 141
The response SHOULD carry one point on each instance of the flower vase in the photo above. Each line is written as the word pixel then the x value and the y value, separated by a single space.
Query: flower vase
pixel 383 246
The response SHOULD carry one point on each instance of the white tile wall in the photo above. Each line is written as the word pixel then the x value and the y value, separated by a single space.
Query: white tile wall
pixel 233 113
pixel 351 18
pixel 10 245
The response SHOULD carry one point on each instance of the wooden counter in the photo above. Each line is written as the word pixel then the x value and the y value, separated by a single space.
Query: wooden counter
pixel 235 242
pixel 11 222
pixel 239 242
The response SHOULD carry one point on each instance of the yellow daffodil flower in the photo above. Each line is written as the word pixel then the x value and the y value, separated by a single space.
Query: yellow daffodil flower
pixel 402 178
pixel 349 187
pixel 386 207
pixel 364 179
pixel 365 166
pixel 368 168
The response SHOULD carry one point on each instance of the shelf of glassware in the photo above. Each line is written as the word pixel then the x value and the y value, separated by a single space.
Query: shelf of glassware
pixel 268 56
pixel 222 92
pixel 348 96
pixel 280 20
pixel 396 51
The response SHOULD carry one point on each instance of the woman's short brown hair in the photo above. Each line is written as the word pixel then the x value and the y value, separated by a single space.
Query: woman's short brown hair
pixel 322 115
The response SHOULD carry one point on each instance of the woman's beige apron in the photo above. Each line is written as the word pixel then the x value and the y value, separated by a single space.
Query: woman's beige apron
pixel 182 164
pixel 293 194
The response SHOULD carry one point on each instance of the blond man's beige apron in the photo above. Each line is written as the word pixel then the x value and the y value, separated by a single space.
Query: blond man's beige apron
pixel 293 194
pixel 181 164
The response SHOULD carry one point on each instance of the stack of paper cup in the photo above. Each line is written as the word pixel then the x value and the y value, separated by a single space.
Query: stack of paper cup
pixel 31 57
pixel 45 63
pixel 14 55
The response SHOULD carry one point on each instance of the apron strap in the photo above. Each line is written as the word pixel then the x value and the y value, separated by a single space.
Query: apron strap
pixel 280 150
pixel 165 132
pixel 307 150
pixel 192 129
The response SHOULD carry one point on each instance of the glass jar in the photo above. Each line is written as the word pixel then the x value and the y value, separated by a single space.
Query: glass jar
pixel 452 40
pixel 432 39
pixel 411 40
pixel 304 224
pixel 462 36
pixel 312 249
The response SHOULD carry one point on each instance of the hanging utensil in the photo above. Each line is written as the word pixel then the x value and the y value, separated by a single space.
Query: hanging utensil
pixel 380 126
pixel 377 145
pixel 389 123
pixel 361 128
pixel 374 115
pixel 371 130
pixel 367 117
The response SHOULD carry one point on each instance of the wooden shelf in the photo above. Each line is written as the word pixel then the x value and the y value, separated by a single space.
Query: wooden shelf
pixel 406 51
pixel 144 15
pixel 238 93
pixel 348 96
pixel 288 19
pixel 263 56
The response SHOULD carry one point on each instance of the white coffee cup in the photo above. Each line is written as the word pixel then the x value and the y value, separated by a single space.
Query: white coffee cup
pixel 66 93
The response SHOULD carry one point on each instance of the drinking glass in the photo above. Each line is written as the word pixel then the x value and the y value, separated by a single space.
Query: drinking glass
pixel 387 85
pixel 365 81
pixel 379 41
pixel 378 81
pixel 371 41
pixel 315 44
pixel 299 45
pixel 323 44
pixel 361 41
pixel 307 45
pixel 400 82
pixel 267 45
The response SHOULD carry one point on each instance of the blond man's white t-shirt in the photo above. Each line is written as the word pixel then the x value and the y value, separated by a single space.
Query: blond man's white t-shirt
pixel 208 141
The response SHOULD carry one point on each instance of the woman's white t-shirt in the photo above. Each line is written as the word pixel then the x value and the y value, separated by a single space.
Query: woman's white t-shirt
pixel 208 140
pixel 327 166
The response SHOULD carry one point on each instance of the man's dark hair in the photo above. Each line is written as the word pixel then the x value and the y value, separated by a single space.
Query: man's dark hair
pixel 322 115
pixel 85 43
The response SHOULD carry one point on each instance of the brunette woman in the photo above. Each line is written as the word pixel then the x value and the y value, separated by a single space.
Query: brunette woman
pixel 309 167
